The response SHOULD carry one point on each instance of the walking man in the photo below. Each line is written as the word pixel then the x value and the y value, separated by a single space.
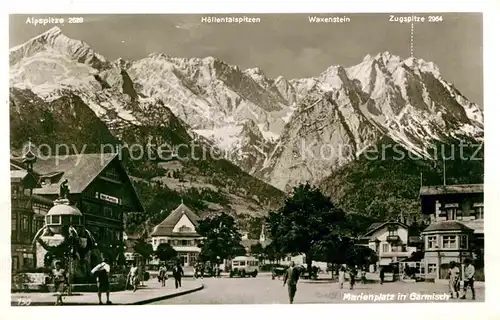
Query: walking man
pixel 469 279
pixel 178 273
pixel 102 273
pixel 291 278
pixel 352 275
pixel 454 274
pixel 381 275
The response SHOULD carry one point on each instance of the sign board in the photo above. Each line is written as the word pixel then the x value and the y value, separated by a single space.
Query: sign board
pixel 108 198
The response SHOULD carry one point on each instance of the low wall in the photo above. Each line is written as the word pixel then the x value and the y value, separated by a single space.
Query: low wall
pixel 40 282
pixel 86 287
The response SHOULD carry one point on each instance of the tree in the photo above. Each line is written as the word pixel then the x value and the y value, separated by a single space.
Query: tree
pixel 221 239
pixel 257 250
pixel 304 221
pixel 272 253
pixel 361 256
pixel 165 252
pixel 344 250
pixel 144 249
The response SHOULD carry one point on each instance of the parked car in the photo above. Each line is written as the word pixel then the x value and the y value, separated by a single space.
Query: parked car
pixel 278 272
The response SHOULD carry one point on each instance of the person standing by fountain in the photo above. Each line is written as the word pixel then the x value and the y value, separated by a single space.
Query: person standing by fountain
pixel 59 279
pixel 102 272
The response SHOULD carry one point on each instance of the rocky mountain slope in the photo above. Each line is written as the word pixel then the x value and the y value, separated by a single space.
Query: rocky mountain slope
pixel 281 131
pixel 62 92
pixel 347 110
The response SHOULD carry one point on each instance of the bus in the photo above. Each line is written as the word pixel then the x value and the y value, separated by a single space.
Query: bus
pixel 244 266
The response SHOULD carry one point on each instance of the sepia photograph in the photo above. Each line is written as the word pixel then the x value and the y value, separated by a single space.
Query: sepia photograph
pixel 277 158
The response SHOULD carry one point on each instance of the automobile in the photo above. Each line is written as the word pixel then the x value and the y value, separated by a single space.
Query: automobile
pixel 244 266
pixel 278 272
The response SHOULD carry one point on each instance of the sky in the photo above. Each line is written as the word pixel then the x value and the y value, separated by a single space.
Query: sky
pixel 283 44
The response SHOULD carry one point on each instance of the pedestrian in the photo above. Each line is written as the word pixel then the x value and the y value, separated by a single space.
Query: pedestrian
pixel 363 276
pixel 178 273
pixel 469 274
pixel 59 280
pixel 382 275
pixel 162 275
pixel 454 274
pixel 101 271
pixel 352 276
pixel 133 277
pixel 291 278
pixel 341 277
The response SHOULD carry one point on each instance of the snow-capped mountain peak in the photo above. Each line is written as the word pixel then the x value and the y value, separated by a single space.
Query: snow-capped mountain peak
pixel 246 113
pixel 54 42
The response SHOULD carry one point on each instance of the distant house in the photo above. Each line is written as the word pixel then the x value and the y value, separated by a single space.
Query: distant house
pixel 389 240
pixel 129 243
pixel 456 216
pixel 179 230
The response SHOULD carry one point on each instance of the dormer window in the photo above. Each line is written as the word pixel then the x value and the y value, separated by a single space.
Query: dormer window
pixel 185 229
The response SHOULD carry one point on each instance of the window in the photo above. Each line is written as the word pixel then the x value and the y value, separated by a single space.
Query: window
pixel 386 247
pixel 304 260
pixel 75 220
pixel 66 220
pixel 449 242
pixel 112 173
pixel 15 263
pixel 479 212
pixel 464 242
pixel 56 219
pixel 28 260
pixel 14 225
pixel 451 213
pixel 15 191
pixel 432 242
pixel 108 212
pixel 431 268
pixel 185 229
pixel 90 208
pixel 25 226
pixel 393 232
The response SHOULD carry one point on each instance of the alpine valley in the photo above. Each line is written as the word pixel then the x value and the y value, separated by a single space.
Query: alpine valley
pixel 271 133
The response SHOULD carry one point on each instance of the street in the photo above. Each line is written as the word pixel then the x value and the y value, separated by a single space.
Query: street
pixel 263 290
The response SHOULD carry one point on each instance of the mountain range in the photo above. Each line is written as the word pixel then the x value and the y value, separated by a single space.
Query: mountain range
pixel 274 132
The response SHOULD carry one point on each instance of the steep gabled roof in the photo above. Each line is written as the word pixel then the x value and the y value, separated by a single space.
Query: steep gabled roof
pixel 80 170
pixel 379 225
pixel 452 189
pixel 166 227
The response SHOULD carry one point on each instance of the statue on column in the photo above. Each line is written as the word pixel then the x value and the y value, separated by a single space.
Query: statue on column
pixel 64 190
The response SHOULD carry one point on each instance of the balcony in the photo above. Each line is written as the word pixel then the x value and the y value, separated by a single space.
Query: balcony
pixel 393 238
pixel 397 254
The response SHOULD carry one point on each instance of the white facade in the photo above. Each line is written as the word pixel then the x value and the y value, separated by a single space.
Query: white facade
pixel 185 245
pixel 390 243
